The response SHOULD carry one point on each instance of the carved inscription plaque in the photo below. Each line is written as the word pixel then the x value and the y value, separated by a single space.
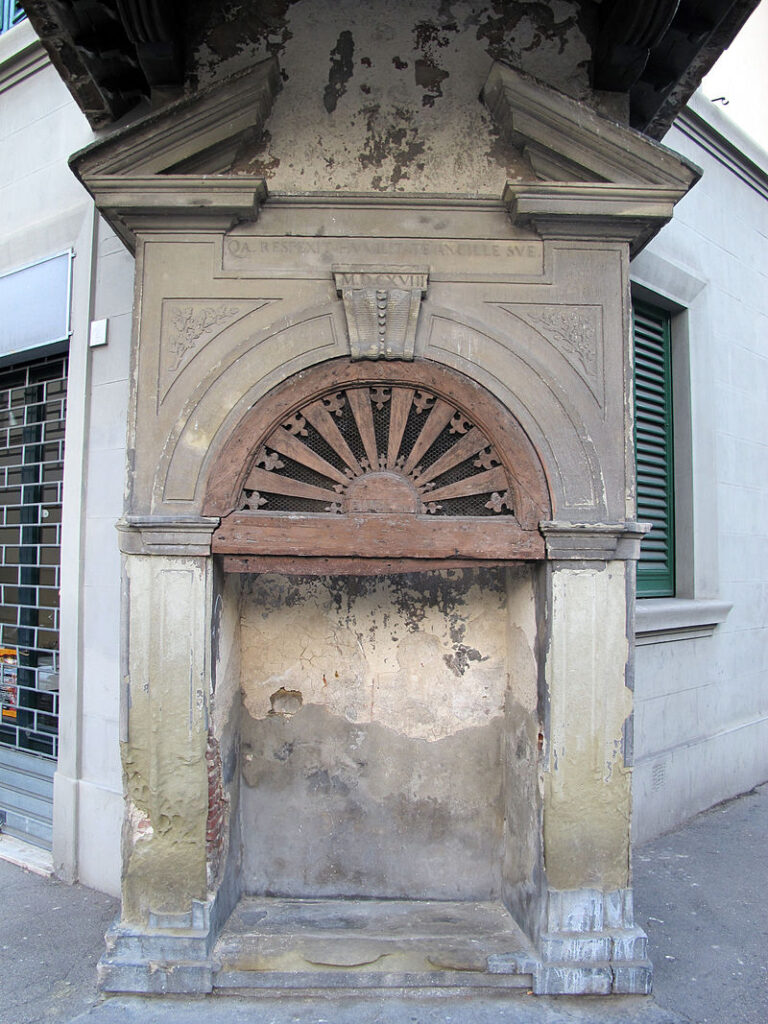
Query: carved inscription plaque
pixel 455 258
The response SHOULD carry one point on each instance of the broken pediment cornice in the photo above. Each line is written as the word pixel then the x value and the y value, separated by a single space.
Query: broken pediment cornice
pixel 198 134
pixel 592 210
pixel 567 141
pixel 167 169
pixel 175 202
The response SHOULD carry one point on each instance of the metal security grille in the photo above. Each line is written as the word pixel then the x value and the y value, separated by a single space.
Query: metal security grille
pixel 32 411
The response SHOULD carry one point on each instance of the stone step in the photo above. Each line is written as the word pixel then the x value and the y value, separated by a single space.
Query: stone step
pixel 313 944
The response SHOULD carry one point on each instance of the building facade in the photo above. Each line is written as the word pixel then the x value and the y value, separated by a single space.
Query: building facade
pixel 427 281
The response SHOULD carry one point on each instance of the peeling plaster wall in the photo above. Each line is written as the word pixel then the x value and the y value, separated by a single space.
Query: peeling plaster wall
pixel 522 876
pixel 395 105
pixel 224 738
pixel 372 732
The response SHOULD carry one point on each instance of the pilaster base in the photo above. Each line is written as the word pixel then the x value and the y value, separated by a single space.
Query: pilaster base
pixel 592 946
pixel 169 956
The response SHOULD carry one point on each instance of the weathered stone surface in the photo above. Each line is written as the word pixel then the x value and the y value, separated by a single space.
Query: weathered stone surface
pixel 382 944
pixel 164 750
pixel 586 830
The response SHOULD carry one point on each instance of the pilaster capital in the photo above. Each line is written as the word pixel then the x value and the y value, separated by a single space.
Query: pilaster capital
pixel 603 542
pixel 188 536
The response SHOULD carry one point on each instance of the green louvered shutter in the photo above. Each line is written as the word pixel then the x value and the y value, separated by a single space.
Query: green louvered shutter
pixel 653 450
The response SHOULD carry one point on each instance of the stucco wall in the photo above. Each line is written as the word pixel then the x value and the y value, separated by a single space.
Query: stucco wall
pixel 46 211
pixel 701 703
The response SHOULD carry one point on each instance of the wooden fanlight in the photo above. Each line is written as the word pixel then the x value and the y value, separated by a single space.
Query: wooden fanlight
pixel 368 467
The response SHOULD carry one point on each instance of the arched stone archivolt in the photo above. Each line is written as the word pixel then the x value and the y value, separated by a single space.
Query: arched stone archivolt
pixel 365 463
pixel 222 399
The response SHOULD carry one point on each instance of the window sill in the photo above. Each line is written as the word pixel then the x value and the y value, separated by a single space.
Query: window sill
pixel 661 620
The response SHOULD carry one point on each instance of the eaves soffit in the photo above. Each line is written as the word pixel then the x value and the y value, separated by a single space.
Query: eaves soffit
pixel 177 157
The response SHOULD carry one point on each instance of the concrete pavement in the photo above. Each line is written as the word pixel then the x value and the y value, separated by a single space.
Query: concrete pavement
pixel 701 893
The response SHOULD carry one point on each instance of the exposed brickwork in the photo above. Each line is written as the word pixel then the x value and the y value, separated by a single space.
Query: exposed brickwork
pixel 217 805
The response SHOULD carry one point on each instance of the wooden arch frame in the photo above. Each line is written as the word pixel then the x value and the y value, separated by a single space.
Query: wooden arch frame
pixel 394 539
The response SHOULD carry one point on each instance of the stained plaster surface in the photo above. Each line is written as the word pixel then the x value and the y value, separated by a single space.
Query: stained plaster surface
pixel 166 783
pixel 372 100
pixel 586 821
pixel 372 732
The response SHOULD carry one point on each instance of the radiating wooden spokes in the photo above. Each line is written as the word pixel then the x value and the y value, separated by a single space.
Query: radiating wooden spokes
pixel 378 449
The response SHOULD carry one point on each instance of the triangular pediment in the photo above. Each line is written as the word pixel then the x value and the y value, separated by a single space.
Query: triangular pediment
pixel 198 134
pixel 173 162
pixel 566 141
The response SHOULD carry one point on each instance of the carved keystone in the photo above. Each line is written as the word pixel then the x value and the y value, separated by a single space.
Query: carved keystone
pixel 382 307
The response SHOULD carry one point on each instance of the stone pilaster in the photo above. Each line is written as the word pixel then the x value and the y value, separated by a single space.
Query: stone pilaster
pixel 590 943
pixel 166 907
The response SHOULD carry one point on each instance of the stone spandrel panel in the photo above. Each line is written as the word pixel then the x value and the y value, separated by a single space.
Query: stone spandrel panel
pixel 576 331
pixel 187 326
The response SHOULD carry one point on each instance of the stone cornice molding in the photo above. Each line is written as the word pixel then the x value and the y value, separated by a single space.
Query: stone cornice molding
pixel 382 308
pixel 566 141
pixel 164 171
pixel 176 202
pixel 600 179
pixel 166 535
pixel 597 210
pixel 604 542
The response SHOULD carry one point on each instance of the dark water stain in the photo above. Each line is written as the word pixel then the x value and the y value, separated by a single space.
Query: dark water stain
pixel 229 29
pixel 430 78
pixel 342 67
pixel 429 73
pixel 499 28
pixel 361 809
pixel 397 141
pixel 253 157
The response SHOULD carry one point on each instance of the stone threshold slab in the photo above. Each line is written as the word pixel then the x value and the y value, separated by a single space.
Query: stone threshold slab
pixel 353 944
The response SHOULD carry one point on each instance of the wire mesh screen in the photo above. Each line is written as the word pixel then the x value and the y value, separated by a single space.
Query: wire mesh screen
pixel 32 412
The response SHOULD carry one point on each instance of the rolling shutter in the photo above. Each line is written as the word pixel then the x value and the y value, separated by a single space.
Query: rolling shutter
pixel 653 450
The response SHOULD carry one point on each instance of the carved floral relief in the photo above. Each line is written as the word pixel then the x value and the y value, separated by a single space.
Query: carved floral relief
pixel 576 332
pixel 188 326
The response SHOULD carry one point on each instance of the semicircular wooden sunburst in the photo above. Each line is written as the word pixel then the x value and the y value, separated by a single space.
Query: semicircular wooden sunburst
pixel 378 449
pixel 376 467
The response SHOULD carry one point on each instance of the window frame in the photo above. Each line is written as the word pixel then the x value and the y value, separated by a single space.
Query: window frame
pixel 659 279
pixel 654 445
pixel 11 14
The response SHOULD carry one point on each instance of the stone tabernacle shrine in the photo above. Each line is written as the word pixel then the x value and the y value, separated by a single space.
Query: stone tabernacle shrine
pixel 379 535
